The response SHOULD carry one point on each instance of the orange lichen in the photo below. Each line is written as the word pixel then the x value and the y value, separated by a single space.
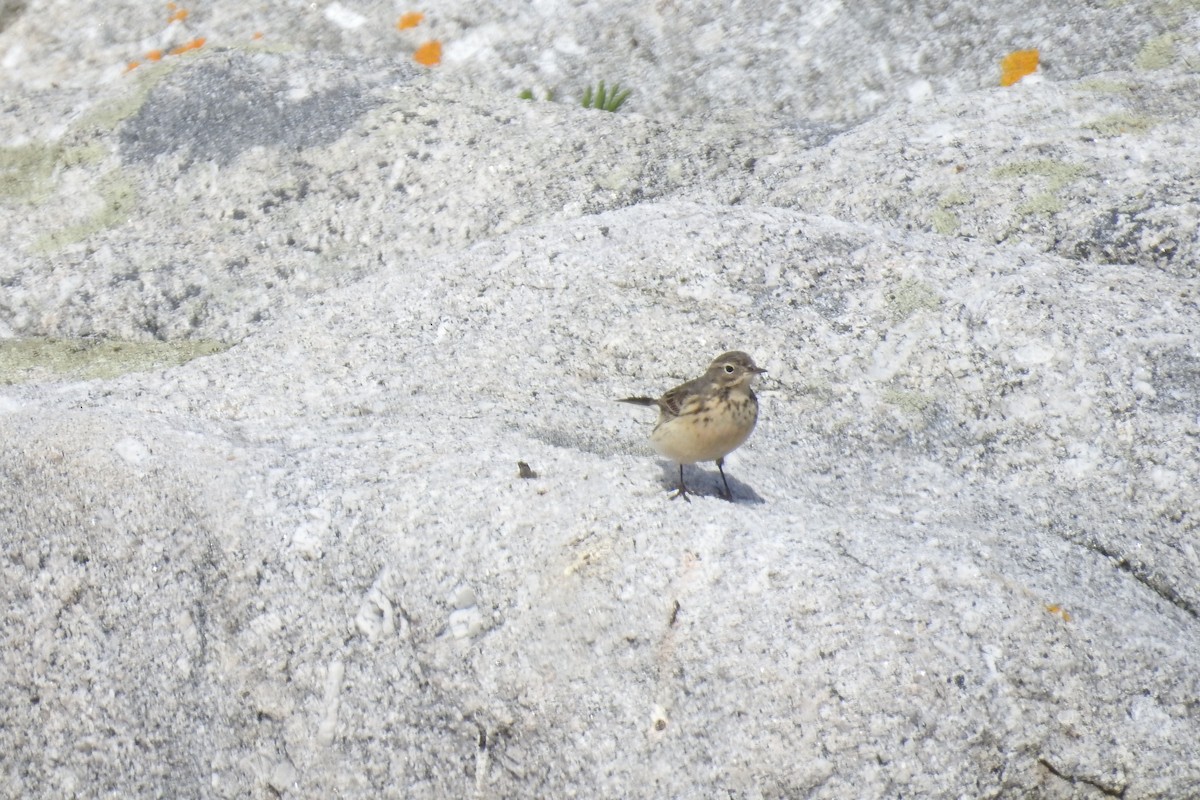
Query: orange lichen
pixel 429 54
pixel 1056 609
pixel 256 35
pixel 1017 65
pixel 410 19
pixel 177 14
pixel 194 44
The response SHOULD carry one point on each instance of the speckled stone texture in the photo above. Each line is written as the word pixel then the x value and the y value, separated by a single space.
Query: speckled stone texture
pixel 279 317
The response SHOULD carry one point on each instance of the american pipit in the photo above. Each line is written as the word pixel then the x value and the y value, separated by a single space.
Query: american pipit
pixel 708 417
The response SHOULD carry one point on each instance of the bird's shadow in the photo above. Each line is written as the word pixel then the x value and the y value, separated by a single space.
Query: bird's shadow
pixel 704 482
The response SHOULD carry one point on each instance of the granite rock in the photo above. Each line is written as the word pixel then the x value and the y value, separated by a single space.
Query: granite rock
pixel 280 322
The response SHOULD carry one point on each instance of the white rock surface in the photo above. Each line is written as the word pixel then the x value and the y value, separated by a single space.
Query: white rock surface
pixel 963 556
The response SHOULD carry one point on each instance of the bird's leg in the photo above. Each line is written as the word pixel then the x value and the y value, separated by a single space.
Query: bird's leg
pixel 721 469
pixel 682 490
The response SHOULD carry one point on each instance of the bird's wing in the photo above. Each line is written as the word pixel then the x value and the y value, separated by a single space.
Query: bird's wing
pixel 674 401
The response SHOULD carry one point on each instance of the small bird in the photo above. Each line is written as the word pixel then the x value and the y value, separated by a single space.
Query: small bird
pixel 708 417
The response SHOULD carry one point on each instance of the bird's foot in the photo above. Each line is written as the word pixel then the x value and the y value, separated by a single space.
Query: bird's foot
pixel 681 492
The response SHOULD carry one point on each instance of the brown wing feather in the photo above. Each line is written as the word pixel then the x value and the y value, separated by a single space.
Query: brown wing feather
pixel 674 401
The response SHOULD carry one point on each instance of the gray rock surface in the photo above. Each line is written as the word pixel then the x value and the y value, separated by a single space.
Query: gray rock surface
pixel 279 320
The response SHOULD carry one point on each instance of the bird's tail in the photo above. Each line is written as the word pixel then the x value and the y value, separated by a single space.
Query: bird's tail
pixel 639 401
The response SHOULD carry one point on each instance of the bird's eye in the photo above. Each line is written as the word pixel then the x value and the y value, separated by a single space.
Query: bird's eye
pixel 729 369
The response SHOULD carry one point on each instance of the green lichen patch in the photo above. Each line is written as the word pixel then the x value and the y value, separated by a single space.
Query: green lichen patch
pixel 912 296
pixel 38 360
pixel 1044 203
pixel 84 155
pixel 1105 86
pixel 117 198
pixel 955 197
pixel 1120 125
pixel 1158 53
pixel 1057 173
pixel 26 172
pixel 1053 177
pixel 945 222
pixel 108 115
pixel 913 402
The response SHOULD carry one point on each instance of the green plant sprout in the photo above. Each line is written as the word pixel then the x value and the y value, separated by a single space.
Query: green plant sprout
pixel 609 101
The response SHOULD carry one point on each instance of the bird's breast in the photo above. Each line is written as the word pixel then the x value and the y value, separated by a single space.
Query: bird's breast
pixel 705 430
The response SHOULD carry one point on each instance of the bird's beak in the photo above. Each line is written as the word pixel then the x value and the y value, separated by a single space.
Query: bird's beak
pixel 758 370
